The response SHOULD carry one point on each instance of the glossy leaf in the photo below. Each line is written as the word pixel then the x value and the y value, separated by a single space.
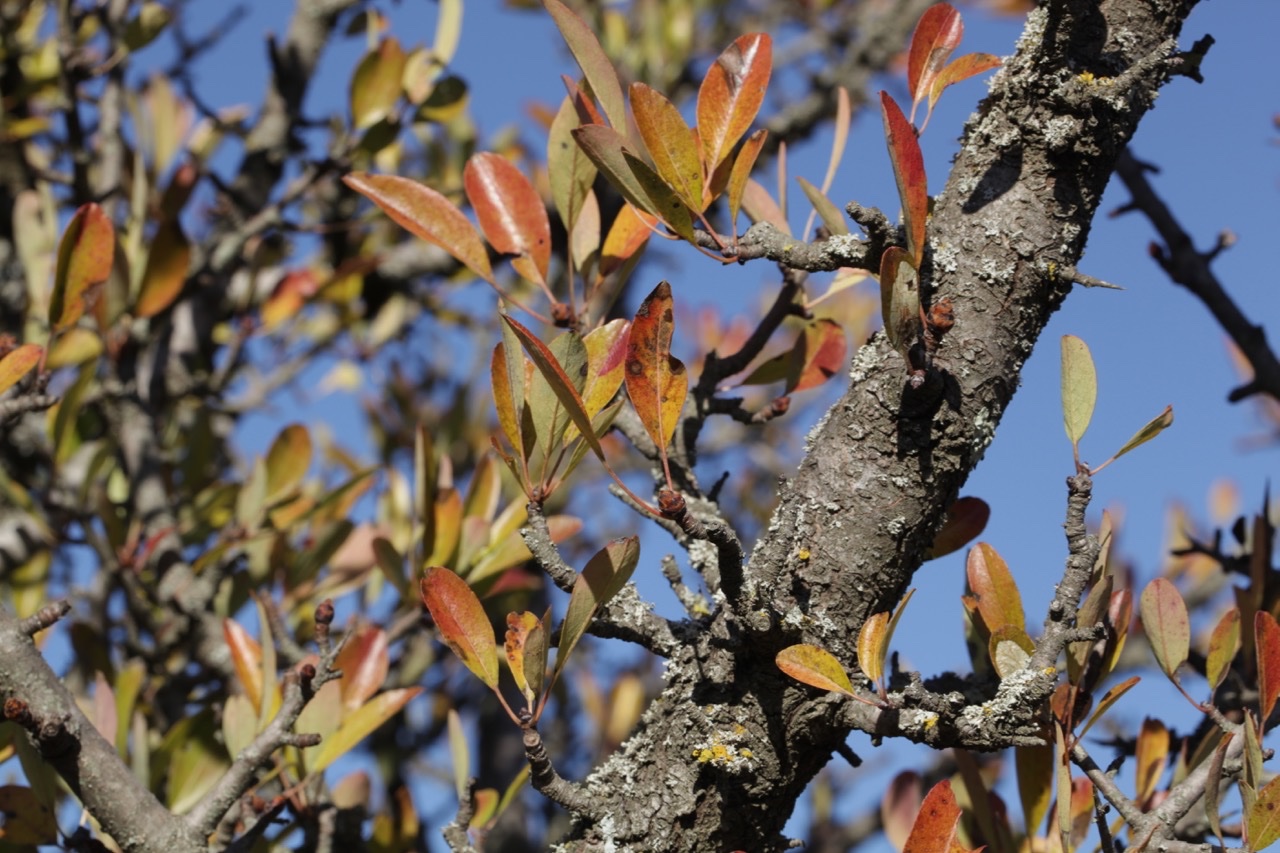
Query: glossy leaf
pixel 18 363
pixel 937 34
pixel 908 172
pixel 246 659
pixel 672 145
pixel 871 646
pixel 900 806
pixel 992 583
pixel 287 461
pixel 815 667
pixel 741 173
pixel 600 580
pixel 591 58
pixel 166 270
pixel 899 299
pixel 1151 757
pixel 657 381
pixel 569 170
pixel 1267 646
pixel 359 725
pixel 831 216
pixel 376 84
pixel 935 828
pixel 1223 645
pixel 1108 699
pixel 462 622
pixel 564 388
pixel 1150 430
pixel 1079 387
pixel 365 662
pixel 425 213
pixel 85 256
pixel 962 68
pixel 511 213
pixel 526 651
pixel 965 520
pixel 1164 618
pixel 731 95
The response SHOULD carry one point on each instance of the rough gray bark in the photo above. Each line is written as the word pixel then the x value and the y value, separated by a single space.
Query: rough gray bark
pixel 886 461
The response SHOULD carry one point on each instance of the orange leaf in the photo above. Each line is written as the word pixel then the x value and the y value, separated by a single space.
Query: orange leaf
pixel 821 357
pixel 937 34
pixel 508 397
pixel 657 382
pixel 908 172
pixel 993 584
pixel 671 144
pixel 872 638
pixel 1108 699
pixel 591 58
pixel 364 662
pixel 627 235
pixel 166 270
pixel 85 255
pixel 731 95
pixel 18 364
pixel 965 520
pixel 1151 755
pixel 511 213
pixel 1164 618
pixel 935 825
pixel 462 622
pixel 425 213
pixel 963 68
pixel 742 166
pixel 526 650
pixel 1267 644
pixel 246 658
pixel 815 667
pixel 606 359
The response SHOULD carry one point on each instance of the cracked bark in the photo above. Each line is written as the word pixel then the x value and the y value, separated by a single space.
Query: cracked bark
pixel 886 461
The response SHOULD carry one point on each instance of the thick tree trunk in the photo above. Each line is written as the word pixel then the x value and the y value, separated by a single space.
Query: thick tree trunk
pixel 722 755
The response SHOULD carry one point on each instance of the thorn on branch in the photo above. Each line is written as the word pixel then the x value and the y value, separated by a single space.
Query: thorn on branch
pixel 45 617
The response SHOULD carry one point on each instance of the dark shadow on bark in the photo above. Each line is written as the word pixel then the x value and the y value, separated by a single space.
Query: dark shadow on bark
pixel 1001 177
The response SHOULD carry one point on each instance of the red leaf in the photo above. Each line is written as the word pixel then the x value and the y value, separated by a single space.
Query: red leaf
pixel 962 69
pixel 657 382
pixel 425 213
pixel 935 825
pixel 511 213
pixel 993 584
pixel 908 172
pixel 364 662
pixel 965 521
pixel 731 95
pixel 937 34
pixel 591 58
pixel 1267 644
pixel 1164 618
pixel 85 256
pixel 742 166
pixel 462 622
pixel 822 355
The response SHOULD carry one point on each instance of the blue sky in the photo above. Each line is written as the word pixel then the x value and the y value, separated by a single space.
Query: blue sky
pixel 1153 343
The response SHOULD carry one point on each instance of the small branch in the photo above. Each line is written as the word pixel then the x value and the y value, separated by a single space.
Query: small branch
pixel 1059 623
pixel 549 783
pixel 1191 269
pixel 15 407
pixel 625 616
pixel 45 617
pixel 711 528
pixel 1107 787
pixel 455 832
pixel 693 603
pixel 764 240
pixel 1070 273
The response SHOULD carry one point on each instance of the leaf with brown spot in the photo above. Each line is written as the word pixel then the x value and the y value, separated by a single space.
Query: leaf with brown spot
pixel 816 667
pixel 671 143
pixel 85 256
pixel 511 213
pixel 935 828
pixel 657 381
pixel 731 95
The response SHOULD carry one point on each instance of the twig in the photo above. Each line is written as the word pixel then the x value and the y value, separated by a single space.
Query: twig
pixel 45 617
pixel 546 781
pixel 1190 268
pixel 455 832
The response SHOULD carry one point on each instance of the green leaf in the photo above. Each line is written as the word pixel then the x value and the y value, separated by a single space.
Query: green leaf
pixel 1150 430
pixel 376 84
pixel 815 667
pixel 634 178
pixel 569 170
pixel 287 461
pixel 549 414
pixel 603 577
pixel 832 216
pixel 1164 618
pixel 1224 643
pixel 462 622
pixel 359 725
pixel 591 58
pixel 1079 387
